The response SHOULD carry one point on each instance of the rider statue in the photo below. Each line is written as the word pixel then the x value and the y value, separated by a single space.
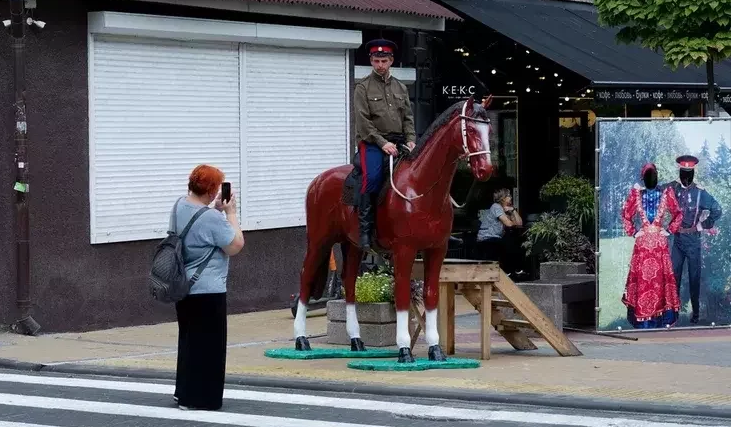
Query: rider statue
pixel 383 120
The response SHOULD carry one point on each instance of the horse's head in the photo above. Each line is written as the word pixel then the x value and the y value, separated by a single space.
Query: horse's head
pixel 475 127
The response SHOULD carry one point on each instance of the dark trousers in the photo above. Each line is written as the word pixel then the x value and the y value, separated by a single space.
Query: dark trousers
pixel 688 247
pixel 201 367
pixel 371 166
pixel 505 250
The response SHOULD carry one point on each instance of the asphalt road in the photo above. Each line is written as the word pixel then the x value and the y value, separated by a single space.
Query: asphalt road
pixel 33 400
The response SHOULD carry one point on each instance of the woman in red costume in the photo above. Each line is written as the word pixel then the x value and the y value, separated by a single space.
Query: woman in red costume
pixel 651 295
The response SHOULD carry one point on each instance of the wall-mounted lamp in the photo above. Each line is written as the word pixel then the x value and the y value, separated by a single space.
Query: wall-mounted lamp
pixel 39 24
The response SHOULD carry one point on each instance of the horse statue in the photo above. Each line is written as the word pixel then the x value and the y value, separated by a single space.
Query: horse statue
pixel 413 213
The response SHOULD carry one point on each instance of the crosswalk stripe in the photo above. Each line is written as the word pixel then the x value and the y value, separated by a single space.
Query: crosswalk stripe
pixel 227 418
pixel 14 424
pixel 396 408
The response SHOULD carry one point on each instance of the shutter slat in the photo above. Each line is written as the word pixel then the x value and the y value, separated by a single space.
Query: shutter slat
pixel 159 109
pixel 296 119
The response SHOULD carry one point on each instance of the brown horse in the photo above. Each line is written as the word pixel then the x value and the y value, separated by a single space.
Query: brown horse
pixel 415 215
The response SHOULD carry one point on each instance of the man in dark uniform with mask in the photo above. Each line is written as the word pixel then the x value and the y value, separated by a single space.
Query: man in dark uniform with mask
pixel 695 202
pixel 383 120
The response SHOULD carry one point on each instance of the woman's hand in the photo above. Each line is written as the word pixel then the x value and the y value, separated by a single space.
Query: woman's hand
pixel 227 207
pixel 230 206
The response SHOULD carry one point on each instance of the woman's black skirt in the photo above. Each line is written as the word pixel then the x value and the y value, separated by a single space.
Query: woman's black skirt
pixel 201 351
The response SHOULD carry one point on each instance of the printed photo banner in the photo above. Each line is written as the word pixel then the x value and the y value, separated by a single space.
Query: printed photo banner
pixel 624 95
pixel 663 217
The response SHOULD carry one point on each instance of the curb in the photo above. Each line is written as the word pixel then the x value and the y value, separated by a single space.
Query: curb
pixel 475 396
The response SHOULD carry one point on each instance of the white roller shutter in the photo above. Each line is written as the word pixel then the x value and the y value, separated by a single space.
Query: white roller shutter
pixel 295 127
pixel 157 109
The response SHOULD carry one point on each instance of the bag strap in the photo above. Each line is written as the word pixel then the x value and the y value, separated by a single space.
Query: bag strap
pixel 200 268
pixel 192 220
pixel 174 222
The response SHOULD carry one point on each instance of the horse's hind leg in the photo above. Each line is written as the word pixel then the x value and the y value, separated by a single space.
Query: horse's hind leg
pixel 351 263
pixel 403 264
pixel 314 271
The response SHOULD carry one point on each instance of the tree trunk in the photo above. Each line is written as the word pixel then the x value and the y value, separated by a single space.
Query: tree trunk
pixel 711 110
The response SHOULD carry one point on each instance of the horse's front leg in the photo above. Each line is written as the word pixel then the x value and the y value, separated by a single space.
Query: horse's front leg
pixel 403 258
pixel 433 259
pixel 352 255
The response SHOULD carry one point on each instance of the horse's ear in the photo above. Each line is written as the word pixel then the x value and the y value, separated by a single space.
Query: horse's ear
pixel 486 102
pixel 470 106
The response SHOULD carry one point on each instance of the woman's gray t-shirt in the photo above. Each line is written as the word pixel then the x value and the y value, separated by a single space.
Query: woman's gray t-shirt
pixel 211 231
pixel 490 226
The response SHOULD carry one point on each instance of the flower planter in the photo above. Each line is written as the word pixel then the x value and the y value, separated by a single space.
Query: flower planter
pixel 377 323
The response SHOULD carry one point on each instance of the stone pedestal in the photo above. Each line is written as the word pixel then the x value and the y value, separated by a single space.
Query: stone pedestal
pixel 567 300
pixel 560 270
pixel 377 323
pixel 548 297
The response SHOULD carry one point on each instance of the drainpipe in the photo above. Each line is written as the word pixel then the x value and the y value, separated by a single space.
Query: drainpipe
pixel 25 323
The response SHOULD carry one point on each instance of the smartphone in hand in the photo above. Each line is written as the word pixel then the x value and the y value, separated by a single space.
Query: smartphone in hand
pixel 226 192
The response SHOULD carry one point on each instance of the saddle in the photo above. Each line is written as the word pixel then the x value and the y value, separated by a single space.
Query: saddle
pixel 352 183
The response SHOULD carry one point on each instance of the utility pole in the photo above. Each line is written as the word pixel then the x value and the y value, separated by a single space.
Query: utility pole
pixel 18 21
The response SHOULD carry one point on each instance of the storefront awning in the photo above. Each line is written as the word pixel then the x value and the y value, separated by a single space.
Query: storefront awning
pixel 569 34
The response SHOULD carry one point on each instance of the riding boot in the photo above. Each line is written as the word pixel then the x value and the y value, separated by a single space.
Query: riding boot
pixel 365 220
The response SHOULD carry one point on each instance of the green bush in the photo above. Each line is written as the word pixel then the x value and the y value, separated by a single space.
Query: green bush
pixel 556 237
pixel 374 287
pixel 559 235
pixel 577 193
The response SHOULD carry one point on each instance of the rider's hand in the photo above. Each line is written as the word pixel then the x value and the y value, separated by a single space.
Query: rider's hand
pixel 411 145
pixel 390 149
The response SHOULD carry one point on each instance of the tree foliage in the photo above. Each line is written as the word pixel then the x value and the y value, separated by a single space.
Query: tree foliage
pixel 689 32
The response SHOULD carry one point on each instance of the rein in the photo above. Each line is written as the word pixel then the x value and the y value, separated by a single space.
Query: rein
pixel 467 154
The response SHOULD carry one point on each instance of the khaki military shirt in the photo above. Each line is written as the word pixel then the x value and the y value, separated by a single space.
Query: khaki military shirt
pixel 382 106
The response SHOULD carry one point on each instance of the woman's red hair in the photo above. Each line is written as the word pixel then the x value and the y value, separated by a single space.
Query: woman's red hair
pixel 205 180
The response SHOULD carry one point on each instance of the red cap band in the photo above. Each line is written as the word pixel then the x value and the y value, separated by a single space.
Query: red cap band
pixel 687 164
pixel 381 49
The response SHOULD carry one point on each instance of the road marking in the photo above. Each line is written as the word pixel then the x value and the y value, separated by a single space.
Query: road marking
pixel 397 408
pixel 12 424
pixel 228 418
pixel 168 352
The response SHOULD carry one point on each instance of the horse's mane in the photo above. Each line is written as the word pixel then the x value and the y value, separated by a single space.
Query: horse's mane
pixel 479 112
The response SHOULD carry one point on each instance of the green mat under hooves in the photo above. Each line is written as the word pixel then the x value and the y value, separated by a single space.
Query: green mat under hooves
pixel 418 365
pixel 329 353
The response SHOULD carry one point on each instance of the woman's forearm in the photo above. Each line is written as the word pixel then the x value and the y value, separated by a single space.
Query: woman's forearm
pixel 234 221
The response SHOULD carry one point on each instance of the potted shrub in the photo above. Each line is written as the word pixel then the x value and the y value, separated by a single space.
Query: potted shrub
pixel 563 239
pixel 374 298
pixel 374 307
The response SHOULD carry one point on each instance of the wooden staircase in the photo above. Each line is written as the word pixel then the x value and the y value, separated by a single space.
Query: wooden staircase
pixel 485 284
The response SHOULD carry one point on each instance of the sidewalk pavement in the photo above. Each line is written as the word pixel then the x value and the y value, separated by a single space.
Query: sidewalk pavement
pixel 670 368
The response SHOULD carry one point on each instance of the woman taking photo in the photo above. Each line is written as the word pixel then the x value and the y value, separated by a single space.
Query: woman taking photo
pixel 202 325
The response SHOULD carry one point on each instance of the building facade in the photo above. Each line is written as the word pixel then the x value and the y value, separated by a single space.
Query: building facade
pixel 124 98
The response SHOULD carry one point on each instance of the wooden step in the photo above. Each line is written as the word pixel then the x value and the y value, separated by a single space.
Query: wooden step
pixel 502 303
pixel 516 323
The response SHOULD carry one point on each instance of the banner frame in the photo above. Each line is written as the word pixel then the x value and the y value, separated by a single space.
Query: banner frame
pixel 597 189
